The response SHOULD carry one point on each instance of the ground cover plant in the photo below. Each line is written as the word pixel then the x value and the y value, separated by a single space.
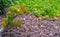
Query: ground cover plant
pixel 38 7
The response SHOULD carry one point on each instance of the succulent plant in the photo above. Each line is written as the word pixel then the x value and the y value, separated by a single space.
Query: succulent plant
pixel 19 9
pixel 10 15
pixel 9 23
pixel 4 22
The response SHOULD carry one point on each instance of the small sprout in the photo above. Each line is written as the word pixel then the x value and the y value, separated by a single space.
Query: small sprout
pixel 37 14
pixel 10 19
pixel 4 22
pixel 18 23
pixel 15 23
pixel 9 16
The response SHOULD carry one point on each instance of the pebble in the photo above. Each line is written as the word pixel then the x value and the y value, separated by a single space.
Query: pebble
pixel 36 28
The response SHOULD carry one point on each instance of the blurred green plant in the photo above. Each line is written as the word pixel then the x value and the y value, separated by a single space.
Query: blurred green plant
pixel 46 7
pixel 9 23
pixel 18 10
pixel 12 13
pixel 4 22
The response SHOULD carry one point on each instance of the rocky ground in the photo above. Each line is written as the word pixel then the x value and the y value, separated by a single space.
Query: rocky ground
pixel 34 27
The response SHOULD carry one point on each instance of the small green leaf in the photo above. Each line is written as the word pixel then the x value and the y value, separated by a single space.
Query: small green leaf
pixel 4 22
pixel 37 14
pixel 18 23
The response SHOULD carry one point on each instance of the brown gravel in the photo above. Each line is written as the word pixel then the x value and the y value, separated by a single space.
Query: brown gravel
pixel 32 27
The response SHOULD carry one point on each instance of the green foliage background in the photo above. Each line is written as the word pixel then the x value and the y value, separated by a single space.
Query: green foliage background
pixel 39 7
